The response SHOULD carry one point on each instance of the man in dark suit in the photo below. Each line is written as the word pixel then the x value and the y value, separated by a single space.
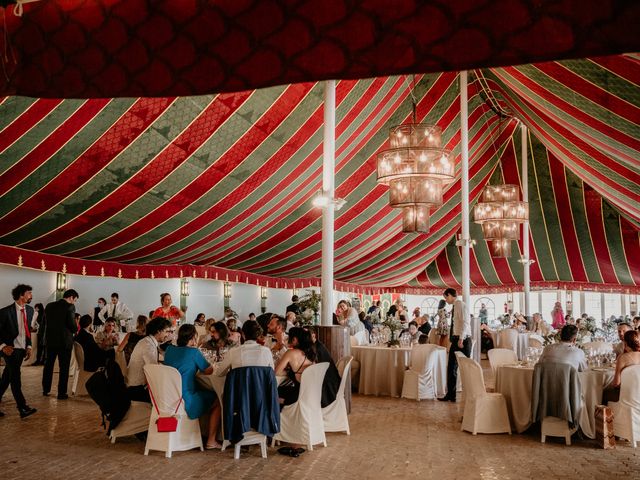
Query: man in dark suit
pixel 94 356
pixel 15 344
pixel 294 307
pixel 61 326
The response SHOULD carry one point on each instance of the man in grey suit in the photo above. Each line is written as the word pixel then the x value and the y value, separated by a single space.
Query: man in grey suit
pixel 566 351
pixel 460 337
pixel 61 327
pixel 15 344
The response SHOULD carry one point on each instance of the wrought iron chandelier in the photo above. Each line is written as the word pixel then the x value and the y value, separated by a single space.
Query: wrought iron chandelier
pixel 416 168
pixel 500 212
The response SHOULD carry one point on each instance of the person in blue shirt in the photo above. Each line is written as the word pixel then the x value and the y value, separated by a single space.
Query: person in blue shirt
pixel 188 360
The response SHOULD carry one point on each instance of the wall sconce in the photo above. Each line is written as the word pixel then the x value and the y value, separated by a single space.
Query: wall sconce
pixel 263 299
pixel 569 302
pixel 263 293
pixel 633 306
pixel 227 290
pixel 185 288
pixel 61 282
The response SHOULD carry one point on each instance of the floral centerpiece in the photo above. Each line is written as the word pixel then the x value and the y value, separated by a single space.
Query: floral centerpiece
pixel 310 306
pixel 393 325
pixel 505 320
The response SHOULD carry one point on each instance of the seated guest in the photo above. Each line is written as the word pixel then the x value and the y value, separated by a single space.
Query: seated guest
pixel 199 321
pixel 423 324
pixel 348 316
pixel 291 320
pixel 146 352
pixel 234 335
pixel 331 382
pixel 636 322
pixel 486 339
pixel 249 354
pixel 565 351
pixel 540 327
pixel 423 339
pixel 413 331
pixel 219 338
pixel 108 338
pixel 631 356
pixel 94 356
pixel 300 355
pixel 206 337
pixel 132 338
pixel 277 328
pixel 519 322
pixel 188 360
pixel 252 317
pixel 623 328
pixel 366 320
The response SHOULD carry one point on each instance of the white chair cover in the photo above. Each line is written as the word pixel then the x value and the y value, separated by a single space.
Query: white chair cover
pixel 335 415
pixel 135 421
pixel 626 411
pixel 81 378
pixel 426 377
pixel 165 384
pixel 501 356
pixel 483 412
pixel 598 347
pixel 302 422
pixel 536 341
pixel 508 338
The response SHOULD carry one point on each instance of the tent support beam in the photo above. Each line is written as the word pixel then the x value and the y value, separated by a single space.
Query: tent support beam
pixel 526 263
pixel 466 238
pixel 328 211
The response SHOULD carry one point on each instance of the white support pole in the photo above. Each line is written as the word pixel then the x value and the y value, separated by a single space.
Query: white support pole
pixel 466 238
pixel 602 309
pixel 623 304
pixel 526 265
pixel 328 191
pixel 583 308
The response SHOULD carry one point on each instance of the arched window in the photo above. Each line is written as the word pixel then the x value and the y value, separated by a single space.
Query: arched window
pixel 429 306
pixel 489 306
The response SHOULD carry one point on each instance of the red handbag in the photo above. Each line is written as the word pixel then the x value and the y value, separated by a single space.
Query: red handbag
pixel 166 424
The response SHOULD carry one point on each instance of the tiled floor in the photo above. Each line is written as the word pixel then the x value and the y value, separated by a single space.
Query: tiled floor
pixel 391 438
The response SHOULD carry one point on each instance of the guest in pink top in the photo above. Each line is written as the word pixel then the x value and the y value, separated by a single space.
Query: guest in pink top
pixel 557 316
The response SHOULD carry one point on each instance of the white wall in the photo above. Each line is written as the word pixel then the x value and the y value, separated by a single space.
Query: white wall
pixel 43 283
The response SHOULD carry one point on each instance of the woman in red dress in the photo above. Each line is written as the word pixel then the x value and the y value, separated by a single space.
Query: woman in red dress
pixel 168 311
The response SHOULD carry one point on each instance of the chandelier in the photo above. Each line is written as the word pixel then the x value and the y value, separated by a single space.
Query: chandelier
pixel 500 212
pixel 416 168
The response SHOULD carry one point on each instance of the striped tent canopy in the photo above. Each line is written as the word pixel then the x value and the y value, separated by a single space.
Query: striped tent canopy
pixel 220 186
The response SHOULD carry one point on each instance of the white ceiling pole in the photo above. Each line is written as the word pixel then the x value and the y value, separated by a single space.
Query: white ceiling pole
pixel 328 211
pixel 526 263
pixel 466 239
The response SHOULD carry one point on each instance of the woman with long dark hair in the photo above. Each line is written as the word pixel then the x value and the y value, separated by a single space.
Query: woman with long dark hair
pixel 300 355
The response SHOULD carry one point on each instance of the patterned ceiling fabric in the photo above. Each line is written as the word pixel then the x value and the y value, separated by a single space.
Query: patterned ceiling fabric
pixel 161 48
pixel 153 186
pixel 588 114
pixel 577 238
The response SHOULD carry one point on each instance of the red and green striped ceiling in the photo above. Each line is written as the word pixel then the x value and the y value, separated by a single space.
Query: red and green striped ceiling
pixel 227 180
pixel 107 168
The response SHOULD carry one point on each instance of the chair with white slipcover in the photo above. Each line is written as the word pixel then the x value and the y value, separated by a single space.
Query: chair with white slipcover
pixel 626 411
pixel 335 414
pixel 165 388
pixel 501 356
pixel 423 380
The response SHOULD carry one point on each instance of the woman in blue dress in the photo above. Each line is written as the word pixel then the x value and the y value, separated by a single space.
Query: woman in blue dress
pixel 188 360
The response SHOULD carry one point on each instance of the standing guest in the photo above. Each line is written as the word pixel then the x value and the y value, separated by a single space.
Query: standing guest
pixel 234 336
pixel 623 328
pixel 94 356
pixel 131 339
pixel 348 316
pixel 200 319
pixel 294 307
pixel 15 344
pixel 557 316
pixel 188 360
pixel 42 326
pixel 566 351
pixel 97 321
pixel 117 310
pixel 107 338
pixel 291 320
pixel 460 337
pixel 61 327
pixel 146 352
pixel 482 314
pixel 442 325
pixel 167 310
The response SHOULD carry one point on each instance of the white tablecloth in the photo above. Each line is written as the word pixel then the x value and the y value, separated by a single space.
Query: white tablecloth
pixel 515 384
pixel 382 369
pixel 521 345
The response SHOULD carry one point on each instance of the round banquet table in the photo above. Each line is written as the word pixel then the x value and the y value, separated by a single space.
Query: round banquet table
pixel 515 382
pixel 381 369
